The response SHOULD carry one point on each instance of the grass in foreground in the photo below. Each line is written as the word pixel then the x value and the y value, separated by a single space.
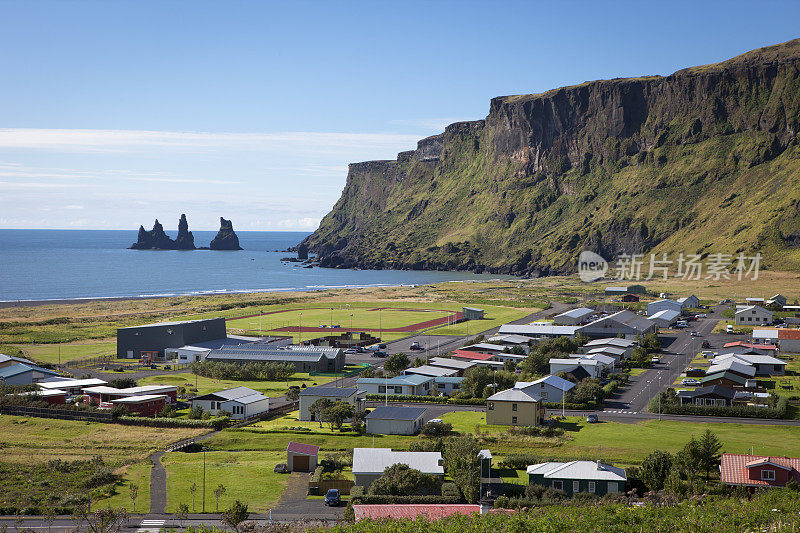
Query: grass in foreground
pixel 246 476
pixel 35 440
pixel 207 385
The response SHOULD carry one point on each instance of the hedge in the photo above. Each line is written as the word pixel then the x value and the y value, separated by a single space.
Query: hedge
pixel 216 423
pixel 379 499
pixel 317 475
pixel 742 411
pixel 588 406
pixel 425 399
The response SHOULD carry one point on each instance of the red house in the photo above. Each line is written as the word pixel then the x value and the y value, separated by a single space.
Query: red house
pixel 758 470
pixel 148 405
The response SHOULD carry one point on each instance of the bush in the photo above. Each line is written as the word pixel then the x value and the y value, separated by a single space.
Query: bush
pixel 437 429
pixel 216 423
pixel 243 371
pixel 356 492
pixel 317 475
pixel 425 399
pixel 744 411
pixel 513 490
pixel 518 461
pixel 450 490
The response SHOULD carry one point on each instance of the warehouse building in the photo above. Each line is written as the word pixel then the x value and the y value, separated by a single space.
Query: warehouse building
pixel 150 341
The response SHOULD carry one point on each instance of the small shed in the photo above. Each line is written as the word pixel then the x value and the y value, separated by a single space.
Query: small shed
pixel 472 313
pixel 301 457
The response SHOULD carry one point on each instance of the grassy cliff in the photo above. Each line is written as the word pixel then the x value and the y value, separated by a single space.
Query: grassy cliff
pixel 705 160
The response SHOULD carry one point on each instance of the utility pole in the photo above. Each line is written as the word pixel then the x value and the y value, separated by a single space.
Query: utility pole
pixel 659 396
pixel 331 316
pixel 380 323
pixel 300 329
pixel 204 479
pixel 259 321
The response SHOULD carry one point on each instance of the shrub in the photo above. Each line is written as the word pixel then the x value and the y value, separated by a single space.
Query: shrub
pixel 518 461
pixel 450 490
pixel 437 429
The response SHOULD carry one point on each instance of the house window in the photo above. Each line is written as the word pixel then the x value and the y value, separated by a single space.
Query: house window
pixel 440 386
pixel 513 407
pixel 558 484
pixel 767 475
pixel 381 389
pixel 576 486
pixel 613 486
pixel 544 395
pixel 491 406
pixel 591 486
pixel 513 419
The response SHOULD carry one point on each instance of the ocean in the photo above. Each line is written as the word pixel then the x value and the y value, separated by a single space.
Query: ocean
pixel 72 264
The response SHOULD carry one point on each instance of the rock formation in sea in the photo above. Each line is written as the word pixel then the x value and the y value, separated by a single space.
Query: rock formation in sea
pixel 226 238
pixel 302 251
pixel 156 239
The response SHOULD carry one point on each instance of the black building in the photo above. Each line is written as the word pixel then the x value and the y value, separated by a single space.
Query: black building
pixel 150 340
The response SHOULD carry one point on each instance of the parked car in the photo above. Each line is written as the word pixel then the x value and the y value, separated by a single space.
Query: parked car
pixel 281 468
pixel 591 418
pixel 655 359
pixel 382 346
pixel 415 346
pixel 702 315
pixel 705 344
pixel 332 498
pixel 690 382
pixel 729 328
pixel 379 353
pixel 351 351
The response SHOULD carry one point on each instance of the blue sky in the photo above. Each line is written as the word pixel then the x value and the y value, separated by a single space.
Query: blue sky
pixel 115 113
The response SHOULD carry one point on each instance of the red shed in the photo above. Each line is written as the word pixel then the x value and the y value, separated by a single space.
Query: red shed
pixel 758 470
pixel 148 405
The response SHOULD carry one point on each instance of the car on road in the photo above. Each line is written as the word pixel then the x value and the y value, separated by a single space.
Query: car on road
pixel 379 353
pixel 382 346
pixel 729 328
pixel 655 359
pixel 415 346
pixel 351 351
pixel 591 418
pixel 693 334
pixel 690 382
pixel 332 498
pixel 702 315
pixel 705 344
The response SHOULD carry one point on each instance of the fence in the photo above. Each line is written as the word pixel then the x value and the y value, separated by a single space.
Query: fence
pixel 180 445
pixel 323 486
pixel 62 414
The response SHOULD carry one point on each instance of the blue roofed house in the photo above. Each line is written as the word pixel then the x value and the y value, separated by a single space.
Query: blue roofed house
pixel 592 477
pixel 413 384
pixel 23 374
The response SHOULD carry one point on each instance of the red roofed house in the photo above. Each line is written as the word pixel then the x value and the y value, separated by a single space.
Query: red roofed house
pixel 301 457
pixel 412 511
pixel 472 356
pixel 758 470
pixel 761 347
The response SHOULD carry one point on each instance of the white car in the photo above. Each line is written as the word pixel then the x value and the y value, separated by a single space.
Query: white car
pixel 702 315
pixel 690 382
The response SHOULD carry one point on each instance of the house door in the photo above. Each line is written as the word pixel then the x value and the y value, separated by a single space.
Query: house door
pixel 300 463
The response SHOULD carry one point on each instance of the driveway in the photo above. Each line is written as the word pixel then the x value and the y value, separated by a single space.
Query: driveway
pixel 295 505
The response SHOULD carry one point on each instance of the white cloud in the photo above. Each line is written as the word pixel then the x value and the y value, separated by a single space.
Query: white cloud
pixel 138 140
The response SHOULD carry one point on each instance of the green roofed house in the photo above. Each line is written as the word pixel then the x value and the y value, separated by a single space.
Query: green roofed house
pixel 573 477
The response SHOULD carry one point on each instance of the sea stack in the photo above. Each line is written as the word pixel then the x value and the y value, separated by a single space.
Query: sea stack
pixel 156 239
pixel 226 238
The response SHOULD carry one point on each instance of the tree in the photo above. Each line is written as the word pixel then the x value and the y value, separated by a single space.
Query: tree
pixel 686 460
pixel 462 465
pixel 708 452
pixel 477 379
pixel 103 520
pixel 588 390
pixel 193 490
pixel 293 394
pixel 134 488
pixel 49 517
pixel 182 513
pixel 218 493
pixel 235 515
pixel 318 407
pixel 402 480
pixel 437 429
pixel 337 413
pixel 655 469
pixel 358 420
pixel 396 363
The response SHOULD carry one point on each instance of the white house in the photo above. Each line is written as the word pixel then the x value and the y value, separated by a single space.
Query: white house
pixel 593 367
pixel 605 360
pixel 240 402
pixel 459 365
pixel 765 365
pixel 613 342
pixel 688 302
pixel 618 354
pixel 625 323
pixel 391 420
pixel 665 318
pixel 411 384
pixel 753 315
pixel 341 394
pixel 573 317
pixel 447 385
pixel 549 388
pixel 661 305
pixel 787 340
pixel 370 463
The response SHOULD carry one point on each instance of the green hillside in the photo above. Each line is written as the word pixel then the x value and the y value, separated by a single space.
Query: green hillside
pixel 703 161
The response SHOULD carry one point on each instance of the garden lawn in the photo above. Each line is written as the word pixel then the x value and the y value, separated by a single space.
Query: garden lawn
pixel 788 384
pixel 34 440
pixel 139 474
pixel 274 435
pixel 207 385
pixel 246 476
pixel 70 351
pixel 629 444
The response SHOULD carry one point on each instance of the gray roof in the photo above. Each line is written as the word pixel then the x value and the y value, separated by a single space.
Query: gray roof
pixel 613 350
pixel 513 395
pixel 171 323
pixel 734 365
pixel 666 314
pixel 590 470
pixel 331 392
pixel 579 312
pixel 386 412
pixel 538 330
pixel 4 358
pixel 553 381
pixel 445 362
pixel 611 341
pixel 252 355
pixel 410 379
pixel 511 338
pixel 21 368
pixel 376 460
pixel 427 370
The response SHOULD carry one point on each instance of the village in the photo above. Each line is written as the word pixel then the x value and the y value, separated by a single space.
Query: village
pixel 375 423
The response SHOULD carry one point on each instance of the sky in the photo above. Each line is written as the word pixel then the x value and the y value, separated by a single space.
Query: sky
pixel 115 113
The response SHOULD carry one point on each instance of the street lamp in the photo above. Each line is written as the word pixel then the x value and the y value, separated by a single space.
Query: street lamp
pixel 300 329
pixel 659 395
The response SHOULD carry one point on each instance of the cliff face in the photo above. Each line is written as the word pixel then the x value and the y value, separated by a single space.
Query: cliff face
pixel 226 238
pixel 705 160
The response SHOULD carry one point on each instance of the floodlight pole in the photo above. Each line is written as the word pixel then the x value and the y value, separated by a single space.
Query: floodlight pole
pixel 300 329
pixel 204 479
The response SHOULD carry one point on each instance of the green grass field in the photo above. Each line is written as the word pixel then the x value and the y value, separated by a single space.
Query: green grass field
pixel 35 440
pixel 246 476
pixel 49 353
pixel 139 474
pixel 207 385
